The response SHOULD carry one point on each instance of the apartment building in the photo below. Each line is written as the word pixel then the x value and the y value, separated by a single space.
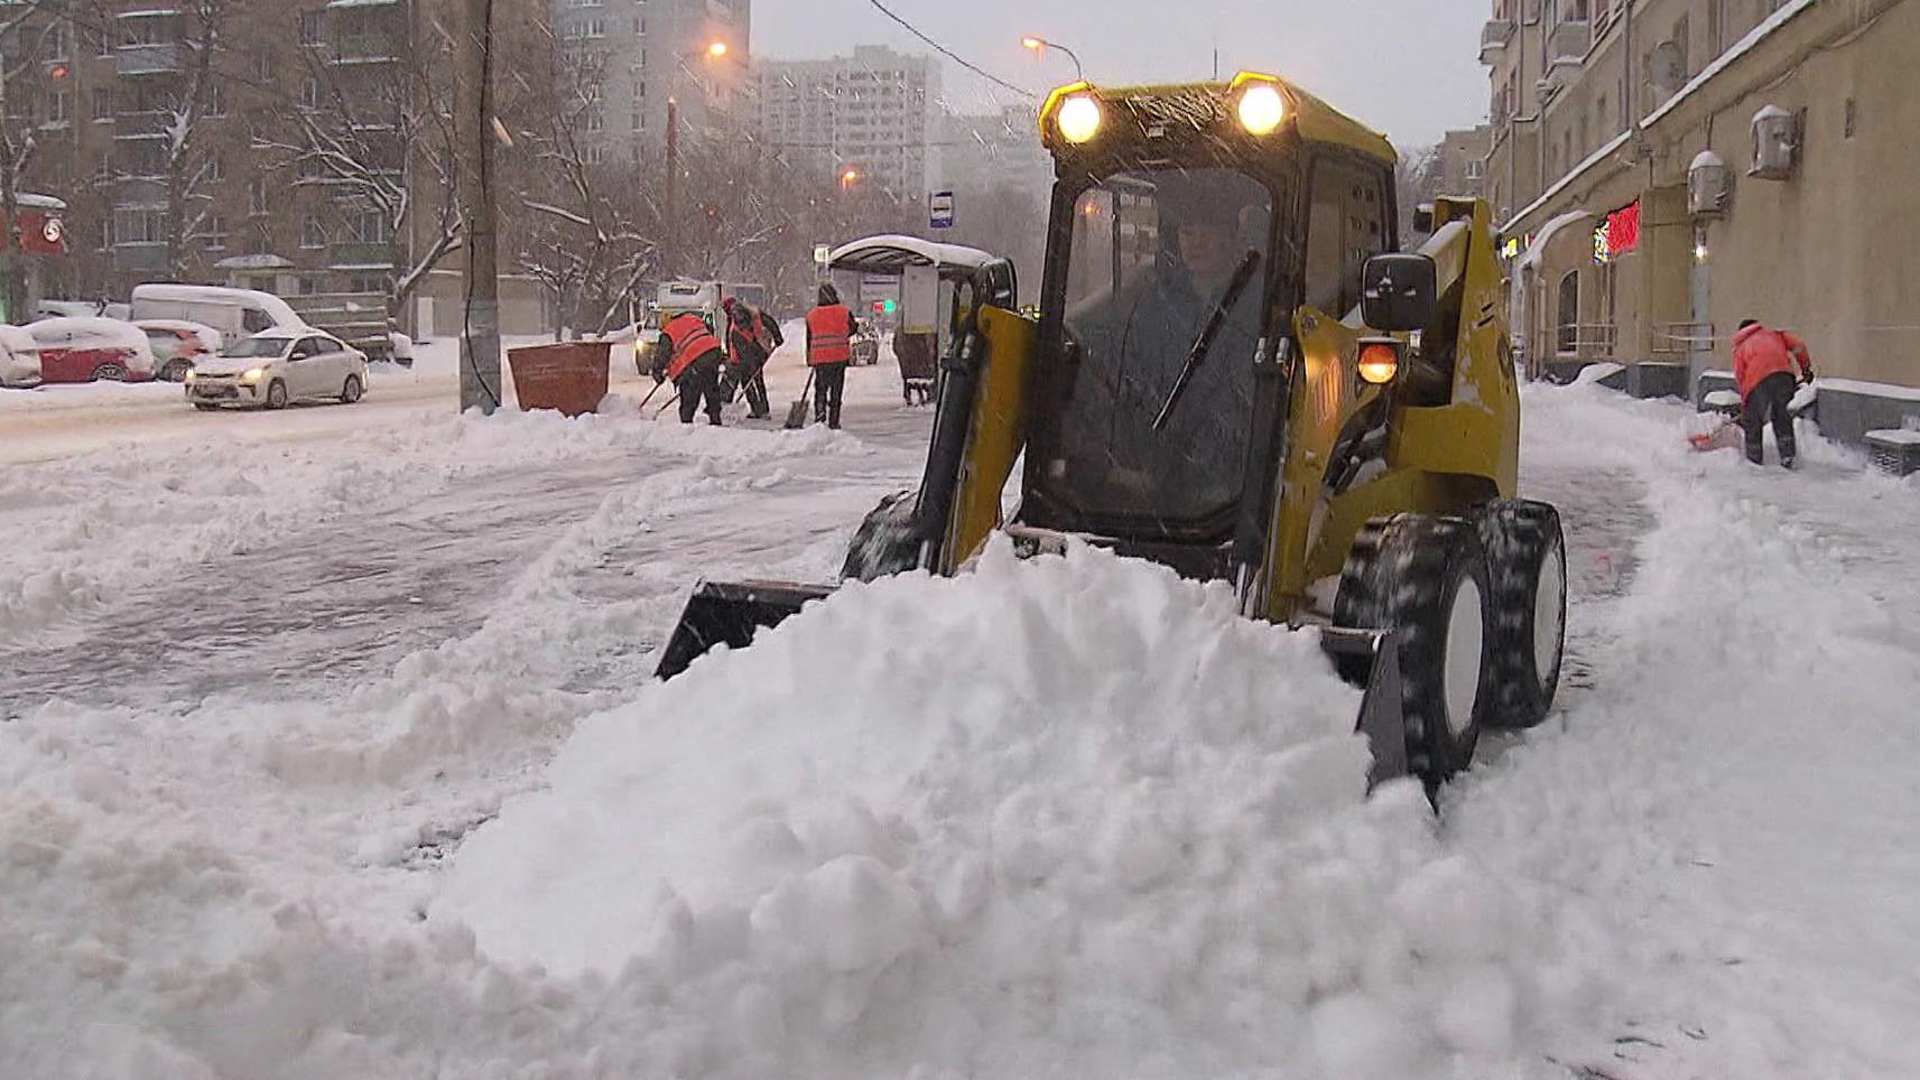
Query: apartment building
pixel 872 114
pixel 1666 168
pixel 632 56
pixel 1460 161
pixel 984 151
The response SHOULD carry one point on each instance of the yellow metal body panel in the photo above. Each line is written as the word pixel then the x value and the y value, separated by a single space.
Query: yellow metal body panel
pixel 996 434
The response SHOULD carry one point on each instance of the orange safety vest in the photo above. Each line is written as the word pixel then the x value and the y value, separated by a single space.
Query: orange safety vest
pixel 691 341
pixel 829 334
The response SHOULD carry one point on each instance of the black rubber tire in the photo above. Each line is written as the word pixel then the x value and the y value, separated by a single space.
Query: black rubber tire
pixel 887 541
pixel 276 395
pixel 110 372
pixel 204 406
pixel 176 370
pixel 351 390
pixel 1404 573
pixel 1522 539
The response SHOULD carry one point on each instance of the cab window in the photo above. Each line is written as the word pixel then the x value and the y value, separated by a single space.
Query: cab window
pixel 254 320
pixel 1346 225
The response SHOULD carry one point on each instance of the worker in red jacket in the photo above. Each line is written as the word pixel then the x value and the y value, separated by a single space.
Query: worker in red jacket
pixel 830 330
pixel 689 354
pixel 1763 363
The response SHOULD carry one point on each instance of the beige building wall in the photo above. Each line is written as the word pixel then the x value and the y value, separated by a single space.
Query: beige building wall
pixel 1830 251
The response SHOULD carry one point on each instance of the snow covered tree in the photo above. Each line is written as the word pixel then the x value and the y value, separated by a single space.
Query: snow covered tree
pixel 382 139
pixel 25 37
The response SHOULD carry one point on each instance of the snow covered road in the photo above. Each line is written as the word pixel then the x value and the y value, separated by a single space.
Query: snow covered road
pixel 293 707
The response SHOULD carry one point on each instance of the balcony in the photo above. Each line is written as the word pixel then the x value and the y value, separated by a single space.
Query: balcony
pixel 1568 44
pixel 360 254
pixel 140 125
pixel 162 59
pixel 1495 36
pixel 366 49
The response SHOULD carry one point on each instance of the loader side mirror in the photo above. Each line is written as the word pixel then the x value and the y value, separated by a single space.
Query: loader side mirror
pixel 1399 292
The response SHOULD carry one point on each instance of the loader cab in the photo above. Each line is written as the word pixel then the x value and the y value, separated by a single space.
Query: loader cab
pixel 1157 232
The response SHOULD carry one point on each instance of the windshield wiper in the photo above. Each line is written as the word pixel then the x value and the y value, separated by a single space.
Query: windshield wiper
pixel 1241 275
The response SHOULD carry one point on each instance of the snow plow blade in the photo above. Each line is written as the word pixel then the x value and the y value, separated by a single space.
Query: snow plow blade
pixel 1370 659
pixel 727 613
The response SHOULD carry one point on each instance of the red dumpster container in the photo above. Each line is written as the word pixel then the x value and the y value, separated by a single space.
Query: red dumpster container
pixel 570 376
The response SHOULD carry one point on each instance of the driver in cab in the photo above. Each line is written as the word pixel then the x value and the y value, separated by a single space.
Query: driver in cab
pixel 1135 340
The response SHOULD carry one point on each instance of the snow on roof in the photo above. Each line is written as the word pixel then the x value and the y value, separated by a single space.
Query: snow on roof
pixel 1740 48
pixel 1566 181
pixel 83 332
pixel 1548 231
pixel 891 252
pixel 39 202
pixel 278 309
pixel 147 13
pixel 1895 437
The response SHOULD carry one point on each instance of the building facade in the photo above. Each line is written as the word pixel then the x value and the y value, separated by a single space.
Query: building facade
pixel 869 117
pixel 1460 161
pixel 634 56
pixel 1666 169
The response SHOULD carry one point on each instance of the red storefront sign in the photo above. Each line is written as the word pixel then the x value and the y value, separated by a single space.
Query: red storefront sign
pixel 42 230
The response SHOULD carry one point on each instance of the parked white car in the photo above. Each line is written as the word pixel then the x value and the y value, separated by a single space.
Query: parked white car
pixel 272 368
pixel 19 358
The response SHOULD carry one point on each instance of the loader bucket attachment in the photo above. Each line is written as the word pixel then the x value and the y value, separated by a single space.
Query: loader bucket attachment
pixel 1371 660
pixel 727 613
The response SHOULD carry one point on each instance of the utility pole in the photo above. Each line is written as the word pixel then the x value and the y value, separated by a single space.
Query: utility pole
pixel 670 228
pixel 473 123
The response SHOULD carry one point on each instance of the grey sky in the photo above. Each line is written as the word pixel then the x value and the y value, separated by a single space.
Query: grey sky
pixel 1407 67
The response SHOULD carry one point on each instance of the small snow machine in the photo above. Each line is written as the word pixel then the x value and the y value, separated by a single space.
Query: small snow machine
pixel 1232 375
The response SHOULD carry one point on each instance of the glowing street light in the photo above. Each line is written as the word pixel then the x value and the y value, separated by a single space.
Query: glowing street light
pixel 717 50
pixel 1040 45
pixel 849 178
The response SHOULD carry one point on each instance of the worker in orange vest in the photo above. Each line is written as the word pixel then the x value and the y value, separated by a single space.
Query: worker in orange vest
pixel 1763 363
pixel 830 330
pixel 689 354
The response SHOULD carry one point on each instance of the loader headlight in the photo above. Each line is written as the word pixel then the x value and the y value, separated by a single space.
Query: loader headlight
pixel 1079 118
pixel 1262 109
pixel 1379 363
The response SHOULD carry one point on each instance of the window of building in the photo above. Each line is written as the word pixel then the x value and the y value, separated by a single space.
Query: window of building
pixel 102 41
pixel 1476 169
pixel 59 41
pixel 216 168
pixel 307 285
pixel 312 233
pixel 312 28
pixel 310 93
pixel 216 97
pixel 106 234
pixel 213 232
pixel 59 107
pixel 140 227
pixel 102 104
pixel 313 167
pixel 596 154
pixel 370 227
pixel 596 121
pixel 367 283
pixel 263 66
pixel 257 195
pixel 1567 338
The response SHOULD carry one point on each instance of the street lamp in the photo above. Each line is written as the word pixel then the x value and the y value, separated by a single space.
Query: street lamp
pixel 1040 45
pixel 714 50
pixel 849 178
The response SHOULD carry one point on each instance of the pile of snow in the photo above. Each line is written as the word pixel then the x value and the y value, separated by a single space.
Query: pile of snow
pixel 1071 816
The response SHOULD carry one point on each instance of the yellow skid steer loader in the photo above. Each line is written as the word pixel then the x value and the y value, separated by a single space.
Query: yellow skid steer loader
pixel 1233 374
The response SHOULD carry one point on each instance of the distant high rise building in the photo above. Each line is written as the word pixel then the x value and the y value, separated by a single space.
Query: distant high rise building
pixel 871 113
pixel 979 152
pixel 635 55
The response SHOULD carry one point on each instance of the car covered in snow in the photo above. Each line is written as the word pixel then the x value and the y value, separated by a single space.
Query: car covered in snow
pixel 179 344
pixel 77 349
pixel 19 358
pixel 278 366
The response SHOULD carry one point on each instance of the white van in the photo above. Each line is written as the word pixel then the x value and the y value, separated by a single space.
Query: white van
pixel 237 313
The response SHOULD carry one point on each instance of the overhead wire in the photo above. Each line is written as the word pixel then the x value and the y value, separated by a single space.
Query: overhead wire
pixel 953 56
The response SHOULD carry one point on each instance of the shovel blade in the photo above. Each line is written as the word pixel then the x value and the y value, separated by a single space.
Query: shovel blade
pixel 728 613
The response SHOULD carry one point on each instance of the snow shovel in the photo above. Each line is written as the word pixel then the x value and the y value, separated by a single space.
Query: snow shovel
pixel 649 397
pixel 797 411
pixel 668 405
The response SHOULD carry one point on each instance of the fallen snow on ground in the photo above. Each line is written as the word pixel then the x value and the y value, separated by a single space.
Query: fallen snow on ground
pixel 1068 817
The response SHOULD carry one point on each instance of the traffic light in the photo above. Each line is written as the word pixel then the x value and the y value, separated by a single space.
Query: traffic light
pixel 889 306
